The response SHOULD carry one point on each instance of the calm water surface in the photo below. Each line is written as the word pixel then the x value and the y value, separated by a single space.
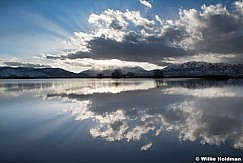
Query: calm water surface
pixel 120 120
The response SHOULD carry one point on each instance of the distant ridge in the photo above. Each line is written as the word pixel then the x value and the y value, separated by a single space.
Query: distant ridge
pixel 204 69
pixel 185 70
pixel 30 72
pixel 118 72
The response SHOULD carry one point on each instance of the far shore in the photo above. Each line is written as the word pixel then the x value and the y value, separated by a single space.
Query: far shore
pixel 220 77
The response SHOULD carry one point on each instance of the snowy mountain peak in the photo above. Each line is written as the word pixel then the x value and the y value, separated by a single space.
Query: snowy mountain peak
pixel 188 69
pixel 194 69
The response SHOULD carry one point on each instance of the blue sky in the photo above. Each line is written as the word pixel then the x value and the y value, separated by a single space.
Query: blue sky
pixel 43 32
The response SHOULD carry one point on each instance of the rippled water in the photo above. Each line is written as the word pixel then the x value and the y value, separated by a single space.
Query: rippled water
pixel 120 120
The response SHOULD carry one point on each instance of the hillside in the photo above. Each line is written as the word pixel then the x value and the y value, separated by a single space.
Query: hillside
pixel 204 69
pixel 29 72
pixel 189 69
pixel 118 72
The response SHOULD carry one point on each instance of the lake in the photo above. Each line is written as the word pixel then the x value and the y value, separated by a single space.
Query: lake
pixel 120 120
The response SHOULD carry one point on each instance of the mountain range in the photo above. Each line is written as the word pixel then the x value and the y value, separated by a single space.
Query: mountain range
pixel 188 69
pixel 30 72
pixel 122 71
pixel 204 69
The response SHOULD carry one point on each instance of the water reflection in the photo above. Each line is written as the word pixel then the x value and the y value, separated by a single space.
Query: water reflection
pixel 192 119
pixel 195 109
pixel 73 86
pixel 17 88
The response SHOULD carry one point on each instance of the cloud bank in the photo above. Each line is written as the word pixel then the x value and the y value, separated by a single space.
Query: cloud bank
pixel 15 62
pixel 213 31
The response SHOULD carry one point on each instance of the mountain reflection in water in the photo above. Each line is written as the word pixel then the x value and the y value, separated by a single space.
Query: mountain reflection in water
pixel 209 111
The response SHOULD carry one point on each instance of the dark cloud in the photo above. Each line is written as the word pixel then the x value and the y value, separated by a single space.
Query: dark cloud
pixel 115 25
pixel 175 35
pixel 129 51
pixel 222 34
pixel 132 36
pixel 132 49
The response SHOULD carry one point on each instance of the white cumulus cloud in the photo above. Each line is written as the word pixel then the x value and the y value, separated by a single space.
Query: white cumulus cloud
pixel 212 33
pixel 145 3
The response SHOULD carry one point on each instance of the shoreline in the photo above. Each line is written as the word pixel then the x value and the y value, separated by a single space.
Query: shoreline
pixel 135 77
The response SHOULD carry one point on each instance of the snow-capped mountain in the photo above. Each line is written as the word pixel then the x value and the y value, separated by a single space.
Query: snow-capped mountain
pixel 57 72
pixel 30 72
pixel 122 71
pixel 204 69
pixel 189 69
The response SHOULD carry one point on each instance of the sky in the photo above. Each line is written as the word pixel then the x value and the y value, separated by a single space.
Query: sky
pixel 78 35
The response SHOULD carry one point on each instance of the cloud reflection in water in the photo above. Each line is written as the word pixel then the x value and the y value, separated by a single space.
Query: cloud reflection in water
pixel 211 113
pixel 205 110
